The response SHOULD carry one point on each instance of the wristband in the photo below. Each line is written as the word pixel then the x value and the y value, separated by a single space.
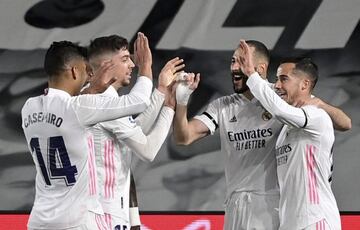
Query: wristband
pixel 183 93
pixel 181 76
pixel 134 216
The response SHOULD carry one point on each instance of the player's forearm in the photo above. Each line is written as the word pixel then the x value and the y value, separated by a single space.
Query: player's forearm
pixel 92 109
pixel 181 126
pixel 147 147
pixel 147 119
pixel 340 120
pixel 146 70
pixel 274 104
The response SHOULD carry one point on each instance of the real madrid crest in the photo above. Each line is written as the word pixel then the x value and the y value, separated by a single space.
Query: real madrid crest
pixel 266 116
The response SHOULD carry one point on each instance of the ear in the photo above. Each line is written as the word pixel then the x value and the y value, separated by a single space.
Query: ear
pixel 261 69
pixel 74 72
pixel 305 84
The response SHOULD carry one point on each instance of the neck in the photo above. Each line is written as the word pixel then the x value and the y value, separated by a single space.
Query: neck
pixel 64 86
pixel 248 94
pixel 301 100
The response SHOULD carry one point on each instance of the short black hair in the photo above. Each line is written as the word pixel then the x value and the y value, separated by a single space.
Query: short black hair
pixel 60 54
pixel 293 60
pixel 107 44
pixel 307 66
pixel 261 51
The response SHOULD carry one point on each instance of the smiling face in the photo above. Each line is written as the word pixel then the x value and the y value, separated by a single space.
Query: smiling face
pixel 288 86
pixel 123 68
pixel 238 77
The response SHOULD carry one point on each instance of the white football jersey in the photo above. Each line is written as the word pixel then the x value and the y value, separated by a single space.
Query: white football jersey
pixel 116 140
pixel 113 161
pixel 55 130
pixel 248 135
pixel 304 161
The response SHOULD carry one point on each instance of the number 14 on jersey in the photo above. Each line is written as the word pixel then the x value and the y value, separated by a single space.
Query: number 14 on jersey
pixel 57 165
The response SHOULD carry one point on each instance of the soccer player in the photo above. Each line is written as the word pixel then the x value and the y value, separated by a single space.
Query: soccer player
pixel 116 140
pixel 55 124
pixel 304 146
pixel 248 134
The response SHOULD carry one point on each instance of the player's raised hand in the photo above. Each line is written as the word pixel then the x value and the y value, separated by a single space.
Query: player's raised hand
pixel 101 79
pixel 142 55
pixel 246 60
pixel 170 95
pixel 185 88
pixel 168 73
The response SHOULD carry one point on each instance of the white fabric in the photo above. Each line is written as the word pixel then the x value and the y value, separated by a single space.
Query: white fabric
pixel 284 112
pixel 320 225
pixel 304 161
pixel 247 141
pixel 114 143
pixel 116 223
pixel 93 222
pixel 134 216
pixel 147 118
pixel 57 121
pixel 257 211
pixel 183 93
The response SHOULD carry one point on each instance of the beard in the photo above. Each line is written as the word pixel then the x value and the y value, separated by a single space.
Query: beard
pixel 239 76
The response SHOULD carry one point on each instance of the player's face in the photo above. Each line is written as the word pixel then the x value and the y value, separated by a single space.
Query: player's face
pixel 82 68
pixel 238 77
pixel 287 84
pixel 123 67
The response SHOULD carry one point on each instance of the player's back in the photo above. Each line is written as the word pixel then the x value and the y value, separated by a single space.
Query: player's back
pixel 59 147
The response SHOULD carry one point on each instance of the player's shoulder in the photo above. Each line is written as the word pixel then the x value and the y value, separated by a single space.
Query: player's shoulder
pixel 31 101
pixel 316 113
pixel 314 110
pixel 124 123
pixel 229 99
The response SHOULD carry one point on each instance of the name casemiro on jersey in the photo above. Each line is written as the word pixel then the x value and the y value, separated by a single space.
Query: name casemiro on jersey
pixel 36 117
pixel 249 139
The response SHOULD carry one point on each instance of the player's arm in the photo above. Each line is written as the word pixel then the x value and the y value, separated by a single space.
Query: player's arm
pixel 261 90
pixel 167 75
pixel 185 131
pixel 147 146
pixel 135 222
pixel 274 104
pixel 143 56
pixel 92 109
pixel 340 120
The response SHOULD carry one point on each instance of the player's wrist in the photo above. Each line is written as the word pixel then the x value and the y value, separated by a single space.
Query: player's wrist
pixel 183 93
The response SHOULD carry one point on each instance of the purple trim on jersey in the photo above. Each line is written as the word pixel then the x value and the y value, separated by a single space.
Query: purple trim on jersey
pixel 312 183
pixel 109 167
pixel 91 165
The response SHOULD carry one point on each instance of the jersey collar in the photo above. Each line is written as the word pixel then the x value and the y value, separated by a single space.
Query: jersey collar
pixel 58 92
